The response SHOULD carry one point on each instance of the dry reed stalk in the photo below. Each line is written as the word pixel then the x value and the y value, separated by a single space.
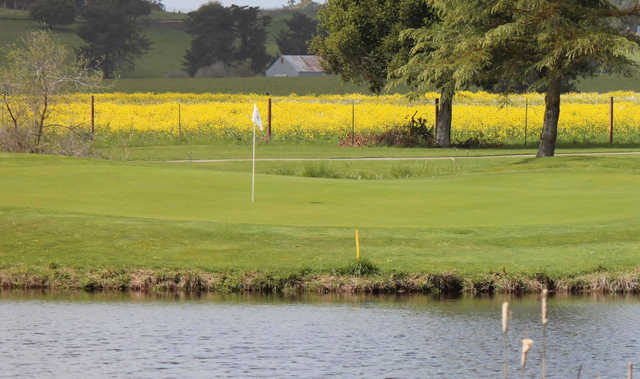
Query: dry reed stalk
pixel 526 346
pixel 545 320
pixel 505 328
pixel 505 317
pixel 630 373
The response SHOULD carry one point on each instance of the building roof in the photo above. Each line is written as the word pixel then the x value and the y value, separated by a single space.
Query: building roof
pixel 304 63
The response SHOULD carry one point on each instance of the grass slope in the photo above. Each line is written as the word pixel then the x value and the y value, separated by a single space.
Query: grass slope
pixel 560 216
pixel 169 41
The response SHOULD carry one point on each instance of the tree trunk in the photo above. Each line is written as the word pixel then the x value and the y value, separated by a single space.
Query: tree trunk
pixel 43 116
pixel 443 129
pixel 551 116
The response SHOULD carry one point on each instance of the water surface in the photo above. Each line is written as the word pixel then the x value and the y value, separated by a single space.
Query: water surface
pixel 82 335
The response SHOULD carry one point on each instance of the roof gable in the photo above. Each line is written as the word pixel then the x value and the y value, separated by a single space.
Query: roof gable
pixel 304 63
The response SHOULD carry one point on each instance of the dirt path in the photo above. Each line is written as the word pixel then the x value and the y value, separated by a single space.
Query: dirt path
pixel 398 158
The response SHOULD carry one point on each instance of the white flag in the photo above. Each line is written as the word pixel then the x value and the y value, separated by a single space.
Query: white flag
pixel 256 117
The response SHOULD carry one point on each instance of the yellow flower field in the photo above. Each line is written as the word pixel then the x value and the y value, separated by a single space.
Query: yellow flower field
pixel 488 117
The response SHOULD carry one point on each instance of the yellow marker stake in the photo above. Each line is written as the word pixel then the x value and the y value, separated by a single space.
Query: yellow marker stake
pixel 357 245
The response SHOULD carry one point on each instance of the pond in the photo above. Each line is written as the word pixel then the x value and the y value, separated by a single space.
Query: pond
pixel 130 335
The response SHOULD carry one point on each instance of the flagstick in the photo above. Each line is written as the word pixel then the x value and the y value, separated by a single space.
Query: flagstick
pixel 253 168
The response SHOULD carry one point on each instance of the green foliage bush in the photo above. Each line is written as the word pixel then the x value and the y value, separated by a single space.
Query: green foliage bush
pixel 359 268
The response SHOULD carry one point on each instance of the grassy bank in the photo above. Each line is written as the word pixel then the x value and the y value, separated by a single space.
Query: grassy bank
pixel 503 225
pixel 341 281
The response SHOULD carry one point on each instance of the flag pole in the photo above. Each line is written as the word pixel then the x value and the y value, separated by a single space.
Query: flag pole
pixel 253 167
pixel 256 121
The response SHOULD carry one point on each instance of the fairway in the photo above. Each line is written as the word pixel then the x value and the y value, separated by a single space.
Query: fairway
pixel 559 216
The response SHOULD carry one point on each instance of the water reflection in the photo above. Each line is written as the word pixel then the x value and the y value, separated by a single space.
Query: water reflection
pixel 129 334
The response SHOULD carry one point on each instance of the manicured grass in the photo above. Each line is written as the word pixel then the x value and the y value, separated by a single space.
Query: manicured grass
pixel 559 216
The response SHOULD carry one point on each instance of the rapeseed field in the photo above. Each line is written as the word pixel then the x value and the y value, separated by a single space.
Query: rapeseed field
pixel 488 118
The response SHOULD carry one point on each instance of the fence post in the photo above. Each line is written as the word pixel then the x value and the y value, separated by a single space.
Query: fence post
pixel 180 119
pixel 526 119
pixel 93 114
pixel 437 102
pixel 269 119
pixel 353 123
pixel 611 122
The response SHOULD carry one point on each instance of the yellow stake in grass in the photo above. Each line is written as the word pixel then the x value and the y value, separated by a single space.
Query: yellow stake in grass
pixel 357 245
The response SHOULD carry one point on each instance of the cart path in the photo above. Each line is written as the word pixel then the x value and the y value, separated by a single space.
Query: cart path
pixel 448 157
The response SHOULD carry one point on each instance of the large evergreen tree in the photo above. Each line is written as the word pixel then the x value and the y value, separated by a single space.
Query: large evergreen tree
pixel 54 12
pixel 113 33
pixel 544 45
pixel 212 29
pixel 229 35
pixel 564 39
pixel 300 30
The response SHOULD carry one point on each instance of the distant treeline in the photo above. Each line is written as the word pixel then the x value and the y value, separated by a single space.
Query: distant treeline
pixel 226 41
pixel 231 41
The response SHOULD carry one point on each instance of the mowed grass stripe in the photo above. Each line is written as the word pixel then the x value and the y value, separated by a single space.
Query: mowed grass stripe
pixel 37 238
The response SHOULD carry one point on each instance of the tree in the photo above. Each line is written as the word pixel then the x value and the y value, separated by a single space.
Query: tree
pixel 550 42
pixel 251 32
pixel 212 28
pixel 36 72
pixel 233 36
pixel 442 56
pixel 113 34
pixel 54 12
pixel 307 7
pixel 300 30
pixel 360 39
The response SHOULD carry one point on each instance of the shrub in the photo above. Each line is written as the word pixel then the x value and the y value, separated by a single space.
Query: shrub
pixel 413 133
pixel 362 267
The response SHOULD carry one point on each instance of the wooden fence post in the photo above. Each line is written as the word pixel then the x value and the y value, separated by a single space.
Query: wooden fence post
pixel 435 134
pixel 93 114
pixel 526 119
pixel 180 119
pixel 611 122
pixel 353 123
pixel 269 120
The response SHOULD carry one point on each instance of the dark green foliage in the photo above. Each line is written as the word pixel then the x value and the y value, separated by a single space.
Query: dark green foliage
pixel 593 36
pixel 360 40
pixel 54 12
pixel 212 28
pixel 113 34
pixel 295 39
pixel 230 36
pixel 518 45
pixel 250 28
